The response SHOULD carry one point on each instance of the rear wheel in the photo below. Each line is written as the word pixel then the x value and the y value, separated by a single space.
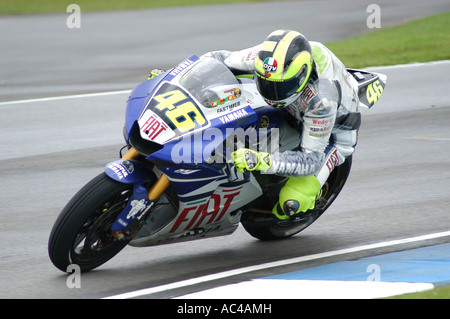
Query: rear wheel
pixel 266 226
pixel 81 235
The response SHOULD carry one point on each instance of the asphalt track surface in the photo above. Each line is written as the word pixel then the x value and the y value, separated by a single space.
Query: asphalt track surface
pixel 49 148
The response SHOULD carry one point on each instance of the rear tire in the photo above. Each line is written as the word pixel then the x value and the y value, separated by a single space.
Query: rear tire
pixel 266 226
pixel 81 235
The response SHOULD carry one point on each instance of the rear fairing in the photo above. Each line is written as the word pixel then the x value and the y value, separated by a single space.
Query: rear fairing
pixel 370 87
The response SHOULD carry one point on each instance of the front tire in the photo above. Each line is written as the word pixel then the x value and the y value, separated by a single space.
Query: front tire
pixel 266 226
pixel 81 235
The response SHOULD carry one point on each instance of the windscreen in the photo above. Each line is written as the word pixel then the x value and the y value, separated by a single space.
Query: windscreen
pixel 211 83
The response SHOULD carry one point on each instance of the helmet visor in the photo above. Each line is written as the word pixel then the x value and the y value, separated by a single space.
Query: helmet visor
pixel 279 90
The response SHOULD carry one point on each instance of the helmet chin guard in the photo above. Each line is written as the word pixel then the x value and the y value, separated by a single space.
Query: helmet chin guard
pixel 282 103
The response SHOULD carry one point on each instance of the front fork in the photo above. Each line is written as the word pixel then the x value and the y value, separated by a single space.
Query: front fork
pixel 159 187
pixel 130 171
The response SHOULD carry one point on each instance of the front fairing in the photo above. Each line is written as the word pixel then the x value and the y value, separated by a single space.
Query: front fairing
pixel 188 99
pixel 186 113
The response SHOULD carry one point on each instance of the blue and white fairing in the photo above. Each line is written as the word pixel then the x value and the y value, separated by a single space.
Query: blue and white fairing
pixel 190 111
pixel 180 121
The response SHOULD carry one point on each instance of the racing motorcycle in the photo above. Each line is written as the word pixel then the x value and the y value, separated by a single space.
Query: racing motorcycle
pixel 175 183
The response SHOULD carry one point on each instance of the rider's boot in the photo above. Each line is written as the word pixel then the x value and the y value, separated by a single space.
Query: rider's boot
pixel 297 196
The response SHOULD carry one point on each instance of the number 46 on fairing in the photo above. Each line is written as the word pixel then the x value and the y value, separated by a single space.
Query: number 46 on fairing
pixel 180 111
pixel 374 91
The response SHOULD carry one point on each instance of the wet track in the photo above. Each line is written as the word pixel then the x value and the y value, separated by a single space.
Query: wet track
pixel 50 148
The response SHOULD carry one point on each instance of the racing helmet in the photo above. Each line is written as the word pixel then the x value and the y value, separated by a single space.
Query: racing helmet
pixel 282 67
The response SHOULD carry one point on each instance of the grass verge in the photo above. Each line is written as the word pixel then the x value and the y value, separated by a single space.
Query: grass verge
pixel 436 293
pixel 53 6
pixel 422 40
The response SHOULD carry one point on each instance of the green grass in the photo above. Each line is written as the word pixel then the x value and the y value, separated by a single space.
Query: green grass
pixel 53 6
pixel 422 40
pixel 436 293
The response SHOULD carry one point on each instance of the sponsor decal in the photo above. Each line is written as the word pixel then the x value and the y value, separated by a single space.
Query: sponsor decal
pixel 308 94
pixel 265 121
pixel 212 211
pixel 137 207
pixel 320 122
pixel 153 126
pixel 186 171
pixel 270 65
pixel 251 55
pixel 333 160
pixel 233 116
pixel 236 93
pixel 320 127
pixel 121 169
pixel 180 67
pixel 228 107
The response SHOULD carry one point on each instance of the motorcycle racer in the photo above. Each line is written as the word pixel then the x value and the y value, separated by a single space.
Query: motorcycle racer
pixel 314 86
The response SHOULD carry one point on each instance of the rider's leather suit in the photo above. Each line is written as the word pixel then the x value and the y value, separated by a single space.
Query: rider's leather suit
pixel 327 111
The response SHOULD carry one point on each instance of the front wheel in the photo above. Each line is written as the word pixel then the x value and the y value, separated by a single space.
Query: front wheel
pixel 266 226
pixel 81 235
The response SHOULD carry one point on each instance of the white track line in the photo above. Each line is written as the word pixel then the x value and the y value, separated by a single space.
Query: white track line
pixel 410 65
pixel 65 97
pixel 224 274
pixel 77 96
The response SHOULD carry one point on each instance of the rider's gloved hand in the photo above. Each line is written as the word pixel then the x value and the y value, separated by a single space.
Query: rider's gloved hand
pixel 154 73
pixel 247 159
